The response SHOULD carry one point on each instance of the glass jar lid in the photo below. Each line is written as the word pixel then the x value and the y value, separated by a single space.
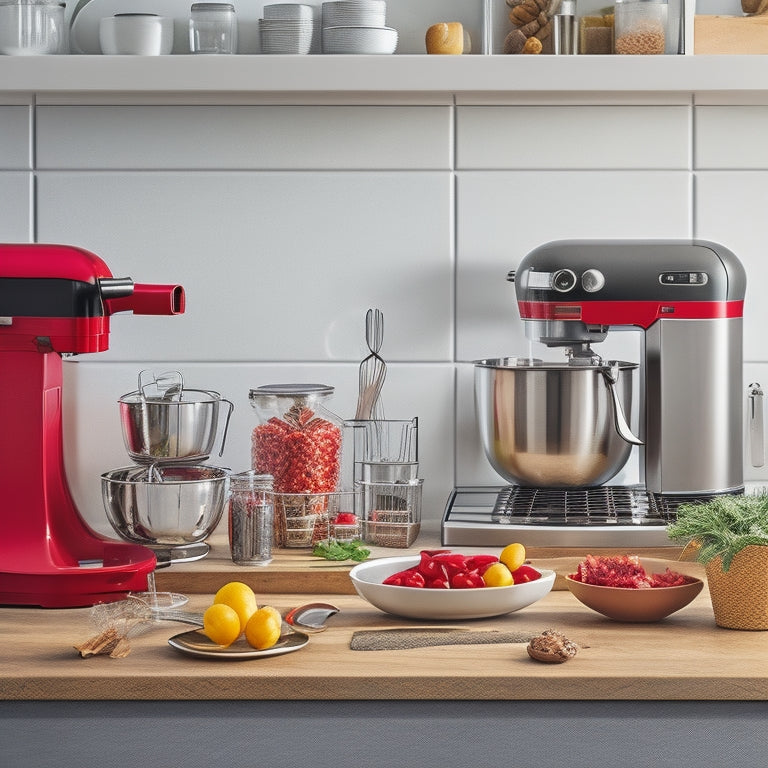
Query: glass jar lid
pixel 269 394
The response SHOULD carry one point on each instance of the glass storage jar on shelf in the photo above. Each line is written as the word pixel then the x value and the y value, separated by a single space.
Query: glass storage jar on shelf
pixel 640 27
pixel 298 442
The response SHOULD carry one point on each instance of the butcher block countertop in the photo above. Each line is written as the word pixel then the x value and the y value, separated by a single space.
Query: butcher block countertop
pixel 684 657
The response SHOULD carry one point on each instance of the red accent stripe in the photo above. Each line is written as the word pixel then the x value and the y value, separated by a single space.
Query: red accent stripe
pixel 641 313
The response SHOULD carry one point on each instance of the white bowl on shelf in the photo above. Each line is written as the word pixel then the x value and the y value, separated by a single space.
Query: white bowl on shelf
pixel 359 40
pixel 136 34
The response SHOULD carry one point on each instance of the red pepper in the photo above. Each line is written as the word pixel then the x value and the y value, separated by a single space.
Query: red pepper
pixel 467 580
pixel 408 578
pixel 481 563
pixel 524 574
pixel 439 582
pixel 345 518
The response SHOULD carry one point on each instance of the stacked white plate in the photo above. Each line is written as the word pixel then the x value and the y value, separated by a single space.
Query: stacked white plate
pixel 354 13
pixel 357 26
pixel 365 40
pixel 288 11
pixel 286 35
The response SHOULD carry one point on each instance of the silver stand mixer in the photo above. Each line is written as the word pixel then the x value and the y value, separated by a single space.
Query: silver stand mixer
pixel 558 432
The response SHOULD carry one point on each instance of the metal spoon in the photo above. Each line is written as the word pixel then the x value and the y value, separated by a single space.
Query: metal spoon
pixel 310 617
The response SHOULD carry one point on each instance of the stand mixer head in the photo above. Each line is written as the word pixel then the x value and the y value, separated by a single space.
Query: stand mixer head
pixel 56 300
pixel 687 296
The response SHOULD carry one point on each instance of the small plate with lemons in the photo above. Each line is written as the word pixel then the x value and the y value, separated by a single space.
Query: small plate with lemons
pixel 197 643
pixel 235 627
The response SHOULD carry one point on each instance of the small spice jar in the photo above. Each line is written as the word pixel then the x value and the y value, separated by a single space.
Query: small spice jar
pixel 640 27
pixel 298 442
pixel 212 28
pixel 251 518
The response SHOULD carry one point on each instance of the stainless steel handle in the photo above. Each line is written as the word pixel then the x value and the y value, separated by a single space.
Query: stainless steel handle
pixel 756 431
pixel 611 374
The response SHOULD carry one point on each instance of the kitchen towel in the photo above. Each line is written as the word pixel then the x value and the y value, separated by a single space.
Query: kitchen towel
pixel 403 639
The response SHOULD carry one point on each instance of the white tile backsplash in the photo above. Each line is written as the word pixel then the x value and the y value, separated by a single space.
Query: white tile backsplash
pixel 244 137
pixel 731 137
pixel 277 266
pixel 16 217
pixel 572 137
pixel 285 224
pixel 16 133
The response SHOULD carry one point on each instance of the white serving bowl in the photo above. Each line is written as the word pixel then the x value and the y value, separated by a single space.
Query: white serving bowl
pixel 136 34
pixel 442 604
pixel 361 40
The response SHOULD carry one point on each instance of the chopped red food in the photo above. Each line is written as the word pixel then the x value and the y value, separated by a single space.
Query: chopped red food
pixel 625 572
pixel 301 451
pixel 443 569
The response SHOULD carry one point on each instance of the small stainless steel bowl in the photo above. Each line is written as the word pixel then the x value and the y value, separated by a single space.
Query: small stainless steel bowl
pixel 549 424
pixel 172 429
pixel 165 505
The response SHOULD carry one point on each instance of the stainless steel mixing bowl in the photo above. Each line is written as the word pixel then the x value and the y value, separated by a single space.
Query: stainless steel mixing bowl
pixel 181 428
pixel 551 425
pixel 165 505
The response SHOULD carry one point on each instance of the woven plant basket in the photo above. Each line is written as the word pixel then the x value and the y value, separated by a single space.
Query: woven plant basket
pixel 740 595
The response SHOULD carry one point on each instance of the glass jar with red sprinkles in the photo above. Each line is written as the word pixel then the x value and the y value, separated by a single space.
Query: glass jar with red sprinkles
pixel 298 442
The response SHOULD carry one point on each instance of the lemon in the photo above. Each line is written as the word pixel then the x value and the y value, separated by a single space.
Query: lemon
pixel 497 575
pixel 263 630
pixel 274 612
pixel 513 556
pixel 221 624
pixel 240 597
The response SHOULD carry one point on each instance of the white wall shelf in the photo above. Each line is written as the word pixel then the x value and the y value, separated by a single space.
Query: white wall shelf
pixel 411 78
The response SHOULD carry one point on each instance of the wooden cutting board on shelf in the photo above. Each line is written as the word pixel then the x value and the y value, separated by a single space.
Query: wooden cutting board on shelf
pixel 730 34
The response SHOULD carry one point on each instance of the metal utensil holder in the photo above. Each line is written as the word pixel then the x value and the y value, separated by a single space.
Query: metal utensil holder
pixel 381 459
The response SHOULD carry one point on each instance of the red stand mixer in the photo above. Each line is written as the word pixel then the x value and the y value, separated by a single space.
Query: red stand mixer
pixel 56 300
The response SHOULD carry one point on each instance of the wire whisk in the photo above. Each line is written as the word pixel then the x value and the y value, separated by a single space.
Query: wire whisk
pixel 373 369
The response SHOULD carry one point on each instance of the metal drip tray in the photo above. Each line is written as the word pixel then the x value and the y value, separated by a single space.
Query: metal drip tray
pixel 607 516
pixel 609 505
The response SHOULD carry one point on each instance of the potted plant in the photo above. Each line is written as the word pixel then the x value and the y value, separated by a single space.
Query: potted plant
pixel 730 535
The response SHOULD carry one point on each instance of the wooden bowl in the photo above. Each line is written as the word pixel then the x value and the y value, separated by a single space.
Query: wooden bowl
pixel 635 605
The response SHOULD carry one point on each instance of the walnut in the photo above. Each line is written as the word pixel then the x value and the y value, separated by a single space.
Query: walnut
pixel 551 647
pixel 532 45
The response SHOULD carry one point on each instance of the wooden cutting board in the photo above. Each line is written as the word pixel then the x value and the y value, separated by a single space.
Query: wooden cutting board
pixel 730 34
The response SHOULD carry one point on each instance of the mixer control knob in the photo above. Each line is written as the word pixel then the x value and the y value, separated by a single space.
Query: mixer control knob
pixel 592 280
pixel 563 280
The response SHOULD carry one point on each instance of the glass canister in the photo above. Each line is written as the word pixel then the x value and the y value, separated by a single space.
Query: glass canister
pixel 298 442
pixel 251 518
pixel 212 28
pixel 640 27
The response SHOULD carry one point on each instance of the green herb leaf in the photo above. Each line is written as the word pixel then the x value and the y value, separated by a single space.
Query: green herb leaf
pixel 336 550
pixel 723 526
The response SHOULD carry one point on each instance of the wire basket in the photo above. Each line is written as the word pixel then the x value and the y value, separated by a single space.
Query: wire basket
pixel 304 519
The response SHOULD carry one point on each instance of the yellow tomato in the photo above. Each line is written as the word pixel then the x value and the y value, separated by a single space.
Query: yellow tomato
pixel 513 556
pixel 221 623
pixel 262 630
pixel 240 597
pixel 497 575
